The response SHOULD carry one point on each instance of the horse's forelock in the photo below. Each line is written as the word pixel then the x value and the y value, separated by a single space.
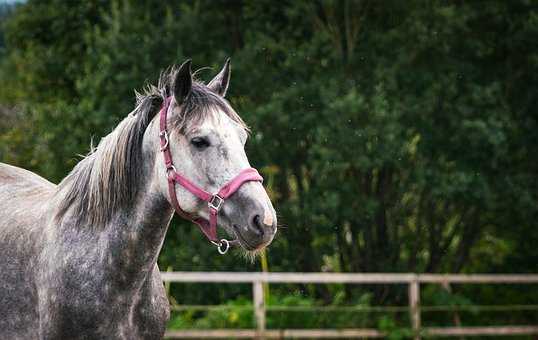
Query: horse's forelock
pixel 199 106
pixel 196 108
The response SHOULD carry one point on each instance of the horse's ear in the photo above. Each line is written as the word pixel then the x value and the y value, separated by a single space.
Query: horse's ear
pixel 182 84
pixel 219 84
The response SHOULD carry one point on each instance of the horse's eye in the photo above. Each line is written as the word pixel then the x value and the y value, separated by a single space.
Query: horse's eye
pixel 200 142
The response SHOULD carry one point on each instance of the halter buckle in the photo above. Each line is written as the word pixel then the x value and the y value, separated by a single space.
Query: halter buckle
pixel 164 134
pixel 222 246
pixel 215 202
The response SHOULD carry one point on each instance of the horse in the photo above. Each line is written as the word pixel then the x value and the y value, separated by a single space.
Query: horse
pixel 78 260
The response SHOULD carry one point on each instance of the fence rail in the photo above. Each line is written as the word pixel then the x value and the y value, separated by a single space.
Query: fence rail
pixel 413 281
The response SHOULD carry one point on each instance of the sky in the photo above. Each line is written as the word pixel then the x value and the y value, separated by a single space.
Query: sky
pixel 10 1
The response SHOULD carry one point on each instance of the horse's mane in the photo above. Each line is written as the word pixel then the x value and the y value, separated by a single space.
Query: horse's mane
pixel 107 179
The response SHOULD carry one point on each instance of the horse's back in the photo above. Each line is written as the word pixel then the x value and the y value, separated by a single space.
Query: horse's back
pixel 24 197
pixel 14 180
pixel 23 200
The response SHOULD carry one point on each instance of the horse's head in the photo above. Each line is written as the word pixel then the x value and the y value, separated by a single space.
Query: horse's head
pixel 206 139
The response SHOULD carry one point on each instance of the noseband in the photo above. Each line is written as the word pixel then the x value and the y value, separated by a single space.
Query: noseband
pixel 214 201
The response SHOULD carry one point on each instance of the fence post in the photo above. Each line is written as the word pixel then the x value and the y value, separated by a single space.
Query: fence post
pixel 414 306
pixel 259 308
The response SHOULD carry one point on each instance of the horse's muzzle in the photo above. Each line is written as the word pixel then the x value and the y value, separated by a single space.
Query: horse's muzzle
pixel 258 233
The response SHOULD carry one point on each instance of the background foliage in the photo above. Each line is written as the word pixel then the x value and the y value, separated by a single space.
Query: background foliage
pixel 394 136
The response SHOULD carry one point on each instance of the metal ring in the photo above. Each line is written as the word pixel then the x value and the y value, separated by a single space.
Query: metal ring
pixel 216 206
pixel 225 250
pixel 170 167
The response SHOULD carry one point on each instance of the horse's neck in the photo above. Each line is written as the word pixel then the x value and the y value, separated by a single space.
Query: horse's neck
pixel 127 246
pixel 136 236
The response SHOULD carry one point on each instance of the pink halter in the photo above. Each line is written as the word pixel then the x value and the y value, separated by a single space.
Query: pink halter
pixel 214 201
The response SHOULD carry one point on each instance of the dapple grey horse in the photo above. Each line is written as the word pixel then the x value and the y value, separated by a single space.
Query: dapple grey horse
pixel 78 259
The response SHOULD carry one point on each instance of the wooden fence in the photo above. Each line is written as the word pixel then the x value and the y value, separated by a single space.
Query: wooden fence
pixel 413 281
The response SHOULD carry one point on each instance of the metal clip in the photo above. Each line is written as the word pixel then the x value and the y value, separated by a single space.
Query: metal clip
pixel 164 134
pixel 224 242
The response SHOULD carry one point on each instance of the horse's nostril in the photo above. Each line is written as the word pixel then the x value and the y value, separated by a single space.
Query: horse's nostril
pixel 257 226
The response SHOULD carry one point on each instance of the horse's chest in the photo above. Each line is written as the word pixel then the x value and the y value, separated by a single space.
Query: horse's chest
pixel 88 307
